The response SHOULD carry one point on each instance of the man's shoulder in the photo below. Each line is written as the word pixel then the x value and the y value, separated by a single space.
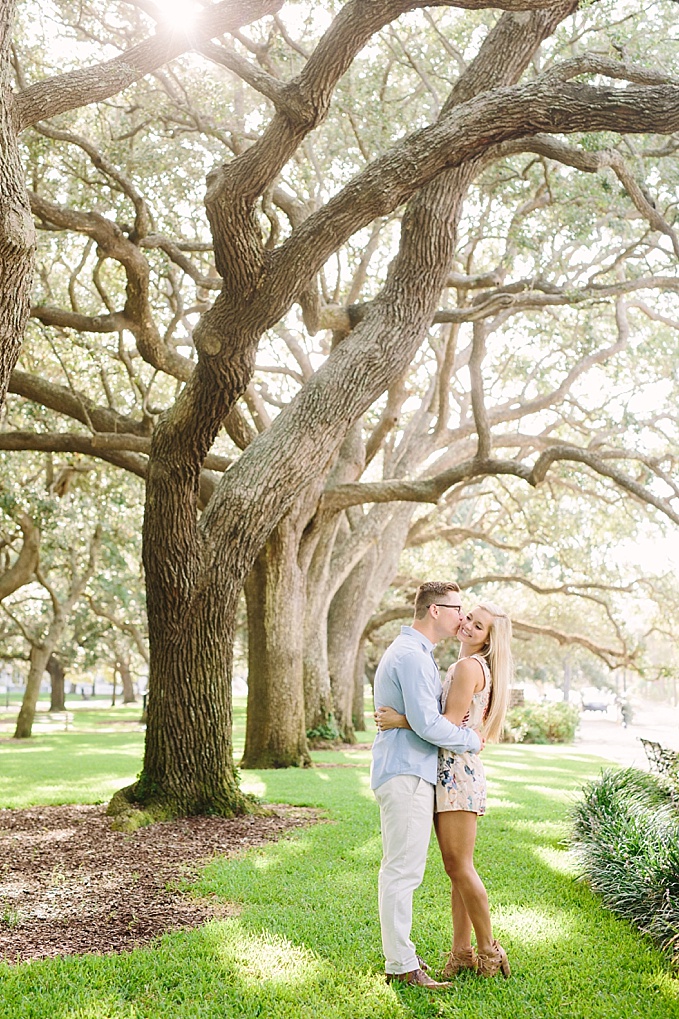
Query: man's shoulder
pixel 406 644
pixel 406 654
pixel 410 637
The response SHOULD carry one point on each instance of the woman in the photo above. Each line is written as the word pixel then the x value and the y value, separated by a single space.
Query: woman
pixel 475 693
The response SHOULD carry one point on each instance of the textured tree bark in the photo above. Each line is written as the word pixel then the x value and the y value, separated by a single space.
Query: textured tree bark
pixel 275 734
pixel 345 626
pixel 351 608
pixel 320 715
pixel 318 703
pixel 17 232
pixel 57 675
pixel 188 759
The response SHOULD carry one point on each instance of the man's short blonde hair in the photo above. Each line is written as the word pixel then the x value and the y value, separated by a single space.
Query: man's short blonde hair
pixel 430 592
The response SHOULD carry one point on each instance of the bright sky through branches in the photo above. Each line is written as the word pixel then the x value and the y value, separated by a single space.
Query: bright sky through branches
pixel 177 13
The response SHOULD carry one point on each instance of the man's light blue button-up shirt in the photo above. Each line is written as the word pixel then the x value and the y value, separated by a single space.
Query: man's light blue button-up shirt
pixel 407 679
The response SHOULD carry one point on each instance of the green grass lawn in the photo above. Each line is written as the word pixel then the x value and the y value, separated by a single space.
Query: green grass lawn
pixel 305 938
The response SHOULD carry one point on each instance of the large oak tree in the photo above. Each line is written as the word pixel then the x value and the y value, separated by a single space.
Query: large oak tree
pixel 196 563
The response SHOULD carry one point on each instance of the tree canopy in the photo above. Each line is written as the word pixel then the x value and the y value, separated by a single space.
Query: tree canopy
pixel 436 264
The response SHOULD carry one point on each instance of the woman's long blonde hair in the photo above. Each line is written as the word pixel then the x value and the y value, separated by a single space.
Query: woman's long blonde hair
pixel 498 654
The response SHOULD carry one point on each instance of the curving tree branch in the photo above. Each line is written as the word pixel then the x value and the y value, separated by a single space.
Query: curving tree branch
pixel 87 85
pixel 431 489
pixel 23 569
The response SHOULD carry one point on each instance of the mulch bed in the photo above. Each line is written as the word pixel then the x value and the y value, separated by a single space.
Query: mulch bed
pixel 69 884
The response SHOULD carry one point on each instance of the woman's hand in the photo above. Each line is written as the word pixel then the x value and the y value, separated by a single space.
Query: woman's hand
pixel 387 718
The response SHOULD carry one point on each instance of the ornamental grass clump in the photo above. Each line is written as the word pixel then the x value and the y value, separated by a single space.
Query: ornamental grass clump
pixel 626 837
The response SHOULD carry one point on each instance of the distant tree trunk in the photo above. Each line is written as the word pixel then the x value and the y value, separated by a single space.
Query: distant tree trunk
pixel 39 657
pixel 275 735
pixel 318 702
pixel 567 674
pixel 41 652
pixel 320 709
pixel 123 666
pixel 57 675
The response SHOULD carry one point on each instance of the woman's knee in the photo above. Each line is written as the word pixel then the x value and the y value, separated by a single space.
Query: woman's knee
pixel 457 867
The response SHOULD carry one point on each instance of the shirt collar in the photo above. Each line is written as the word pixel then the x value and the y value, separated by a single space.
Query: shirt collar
pixel 424 641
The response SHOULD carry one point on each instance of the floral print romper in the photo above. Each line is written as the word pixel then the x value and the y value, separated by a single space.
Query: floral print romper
pixel 461 781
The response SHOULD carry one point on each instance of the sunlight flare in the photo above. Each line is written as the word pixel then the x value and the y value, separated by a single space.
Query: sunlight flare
pixel 178 14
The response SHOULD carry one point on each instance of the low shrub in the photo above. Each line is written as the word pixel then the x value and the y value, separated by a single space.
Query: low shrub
pixel 327 732
pixel 626 838
pixel 541 723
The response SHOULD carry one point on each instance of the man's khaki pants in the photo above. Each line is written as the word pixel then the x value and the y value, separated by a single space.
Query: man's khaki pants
pixel 406 810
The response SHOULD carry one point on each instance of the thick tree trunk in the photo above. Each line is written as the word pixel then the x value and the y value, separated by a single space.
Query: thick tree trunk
pixel 17 232
pixel 275 734
pixel 188 759
pixel 276 599
pixel 352 607
pixel 39 657
pixel 188 763
pixel 346 621
pixel 57 675
pixel 322 582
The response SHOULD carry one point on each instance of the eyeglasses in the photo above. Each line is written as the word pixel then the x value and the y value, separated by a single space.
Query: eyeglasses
pixel 445 605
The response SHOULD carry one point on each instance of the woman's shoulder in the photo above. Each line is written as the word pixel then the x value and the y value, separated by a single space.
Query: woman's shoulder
pixel 470 661
pixel 482 662
pixel 472 669
pixel 468 666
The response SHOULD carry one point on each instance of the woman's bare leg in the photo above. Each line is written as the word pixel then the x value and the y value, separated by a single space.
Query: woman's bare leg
pixel 462 925
pixel 456 833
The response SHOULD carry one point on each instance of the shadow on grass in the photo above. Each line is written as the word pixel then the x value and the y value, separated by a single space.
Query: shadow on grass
pixel 307 940
pixel 92 767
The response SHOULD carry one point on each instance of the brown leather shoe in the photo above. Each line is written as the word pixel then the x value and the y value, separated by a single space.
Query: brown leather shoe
pixel 417 978
pixel 464 959
pixel 493 962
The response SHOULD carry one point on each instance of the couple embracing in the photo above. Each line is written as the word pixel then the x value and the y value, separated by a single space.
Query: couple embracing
pixel 426 765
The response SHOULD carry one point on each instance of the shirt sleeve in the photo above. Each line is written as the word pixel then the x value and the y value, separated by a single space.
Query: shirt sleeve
pixel 421 688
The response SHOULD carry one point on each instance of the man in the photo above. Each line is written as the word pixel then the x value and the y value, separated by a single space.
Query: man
pixel 403 773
